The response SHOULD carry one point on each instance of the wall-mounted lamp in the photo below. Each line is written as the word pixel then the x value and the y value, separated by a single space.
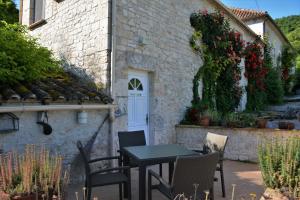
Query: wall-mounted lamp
pixel 43 121
pixel 82 117
pixel 8 122
pixel 141 41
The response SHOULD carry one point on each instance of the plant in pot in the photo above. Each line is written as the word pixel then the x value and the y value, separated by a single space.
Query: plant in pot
pixel 34 175
pixel 192 116
pixel 205 118
pixel 233 120
pixel 215 117
pixel 286 125
pixel 261 122
pixel 248 119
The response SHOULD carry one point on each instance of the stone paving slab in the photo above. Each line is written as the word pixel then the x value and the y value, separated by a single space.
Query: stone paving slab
pixel 246 176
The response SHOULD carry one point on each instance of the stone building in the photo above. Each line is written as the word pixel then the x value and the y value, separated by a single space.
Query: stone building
pixel 264 26
pixel 138 51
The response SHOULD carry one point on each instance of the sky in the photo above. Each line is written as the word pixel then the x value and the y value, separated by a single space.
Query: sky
pixel 275 8
pixel 17 2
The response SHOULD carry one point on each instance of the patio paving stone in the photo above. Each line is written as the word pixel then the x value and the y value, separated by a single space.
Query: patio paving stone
pixel 246 176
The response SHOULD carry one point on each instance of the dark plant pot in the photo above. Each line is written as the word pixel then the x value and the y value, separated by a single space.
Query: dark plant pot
pixel 261 123
pixel 204 121
pixel 286 125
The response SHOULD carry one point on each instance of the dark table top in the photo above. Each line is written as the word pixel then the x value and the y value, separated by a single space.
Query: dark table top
pixel 166 151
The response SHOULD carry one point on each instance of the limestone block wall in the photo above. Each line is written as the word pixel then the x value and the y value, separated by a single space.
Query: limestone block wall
pixel 242 143
pixel 153 36
pixel 275 40
pixel 77 32
pixel 66 132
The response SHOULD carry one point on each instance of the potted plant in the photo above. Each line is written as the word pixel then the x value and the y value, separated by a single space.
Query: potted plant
pixel 205 118
pixel 215 118
pixel 261 123
pixel 286 125
pixel 35 175
pixel 232 120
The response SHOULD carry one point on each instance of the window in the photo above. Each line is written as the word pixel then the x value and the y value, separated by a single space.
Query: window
pixel 135 84
pixel 37 9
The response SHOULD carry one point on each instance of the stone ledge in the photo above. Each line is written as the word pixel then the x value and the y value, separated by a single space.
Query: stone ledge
pixel 236 129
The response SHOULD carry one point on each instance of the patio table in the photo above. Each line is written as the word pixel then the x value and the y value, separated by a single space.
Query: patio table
pixel 152 155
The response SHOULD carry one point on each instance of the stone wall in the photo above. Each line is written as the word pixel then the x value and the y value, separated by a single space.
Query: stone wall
pixel 66 132
pixel 276 40
pixel 242 144
pixel 153 36
pixel 77 32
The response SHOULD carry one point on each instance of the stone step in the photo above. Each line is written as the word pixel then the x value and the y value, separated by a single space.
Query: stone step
pixel 294 98
pixel 285 107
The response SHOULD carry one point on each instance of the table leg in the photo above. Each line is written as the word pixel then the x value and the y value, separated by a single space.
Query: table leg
pixel 126 163
pixel 142 182
pixel 171 169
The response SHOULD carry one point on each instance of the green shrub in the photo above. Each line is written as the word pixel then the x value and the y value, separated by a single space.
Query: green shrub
pixel 280 164
pixel 274 88
pixel 288 62
pixel 22 58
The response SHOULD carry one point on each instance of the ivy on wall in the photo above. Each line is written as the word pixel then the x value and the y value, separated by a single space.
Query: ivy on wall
pixel 221 48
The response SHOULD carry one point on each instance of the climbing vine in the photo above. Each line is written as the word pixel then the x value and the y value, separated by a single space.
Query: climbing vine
pixel 255 73
pixel 220 48
pixel 288 62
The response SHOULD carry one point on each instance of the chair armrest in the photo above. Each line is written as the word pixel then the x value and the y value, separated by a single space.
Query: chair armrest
pixel 110 169
pixel 104 158
pixel 160 179
pixel 198 151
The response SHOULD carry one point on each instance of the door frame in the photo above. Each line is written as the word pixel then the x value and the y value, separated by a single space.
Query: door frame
pixel 146 75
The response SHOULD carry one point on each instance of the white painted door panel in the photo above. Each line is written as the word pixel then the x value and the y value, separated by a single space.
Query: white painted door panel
pixel 138 102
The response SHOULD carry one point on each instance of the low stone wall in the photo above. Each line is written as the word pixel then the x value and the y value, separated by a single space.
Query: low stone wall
pixel 242 143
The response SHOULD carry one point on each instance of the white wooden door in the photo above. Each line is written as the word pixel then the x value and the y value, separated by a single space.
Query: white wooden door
pixel 138 115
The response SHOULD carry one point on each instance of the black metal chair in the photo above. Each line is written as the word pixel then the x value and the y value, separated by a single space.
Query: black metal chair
pixel 102 177
pixel 189 170
pixel 132 138
pixel 216 143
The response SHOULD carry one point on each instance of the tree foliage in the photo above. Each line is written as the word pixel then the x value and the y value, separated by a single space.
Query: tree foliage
pixel 291 27
pixel 8 11
pixel 21 57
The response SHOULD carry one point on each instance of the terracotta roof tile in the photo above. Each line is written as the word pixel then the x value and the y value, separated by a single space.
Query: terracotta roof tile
pixel 65 89
pixel 247 14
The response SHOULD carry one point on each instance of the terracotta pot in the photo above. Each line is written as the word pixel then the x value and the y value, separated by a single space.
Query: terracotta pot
pixel 204 121
pixel 261 123
pixel 286 125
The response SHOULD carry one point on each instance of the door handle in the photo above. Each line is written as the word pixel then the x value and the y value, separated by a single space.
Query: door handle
pixel 147 119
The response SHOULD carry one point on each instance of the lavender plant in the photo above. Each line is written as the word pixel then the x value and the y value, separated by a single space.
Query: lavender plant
pixel 280 165
pixel 34 172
